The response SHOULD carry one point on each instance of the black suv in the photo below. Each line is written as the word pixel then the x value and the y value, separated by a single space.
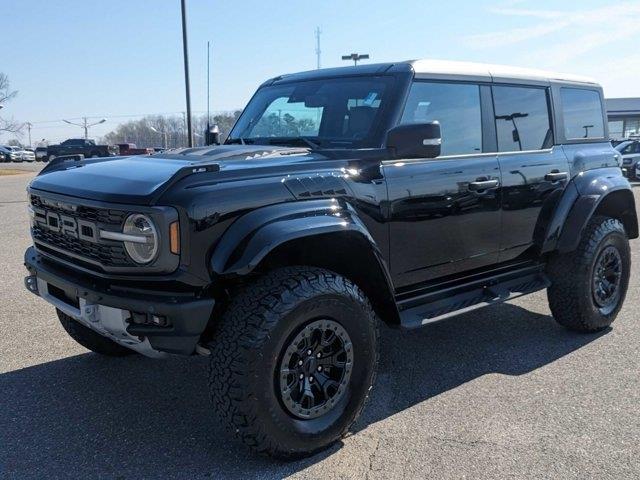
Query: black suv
pixel 401 193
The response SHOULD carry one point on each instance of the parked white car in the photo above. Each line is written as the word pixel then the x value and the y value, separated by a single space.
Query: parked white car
pixel 18 154
pixel 28 155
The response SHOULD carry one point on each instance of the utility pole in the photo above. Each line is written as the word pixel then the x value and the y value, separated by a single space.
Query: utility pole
pixel 208 135
pixel 29 126
pixel 318 52
pixel 184 120
pixel 185 50
pixel 85 125
pixel 356 57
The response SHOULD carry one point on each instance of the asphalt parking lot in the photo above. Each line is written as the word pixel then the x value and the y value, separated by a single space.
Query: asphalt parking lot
pixel 500 392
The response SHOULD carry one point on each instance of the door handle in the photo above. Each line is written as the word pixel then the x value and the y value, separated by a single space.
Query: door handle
pixel 483 185
pixel 555 176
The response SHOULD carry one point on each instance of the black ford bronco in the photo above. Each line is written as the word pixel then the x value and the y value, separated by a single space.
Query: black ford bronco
pixel 401 193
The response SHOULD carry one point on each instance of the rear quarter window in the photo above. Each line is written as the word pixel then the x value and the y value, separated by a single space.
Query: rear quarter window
pixel 582 113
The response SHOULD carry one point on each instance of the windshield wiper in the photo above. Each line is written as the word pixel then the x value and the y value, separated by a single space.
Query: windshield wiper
pixel 288 141
pixel 239 140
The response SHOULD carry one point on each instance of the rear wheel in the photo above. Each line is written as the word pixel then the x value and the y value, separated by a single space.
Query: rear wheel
pixel 90 339
pixel 589 285
pixel 293 361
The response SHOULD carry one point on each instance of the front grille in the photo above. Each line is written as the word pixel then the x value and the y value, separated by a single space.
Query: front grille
pixel 99 215
pixel 105 253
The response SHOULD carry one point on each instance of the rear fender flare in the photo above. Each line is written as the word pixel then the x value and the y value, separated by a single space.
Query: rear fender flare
pixel 582 197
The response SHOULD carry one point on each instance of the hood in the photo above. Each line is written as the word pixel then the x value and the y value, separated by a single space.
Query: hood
pixel 140 179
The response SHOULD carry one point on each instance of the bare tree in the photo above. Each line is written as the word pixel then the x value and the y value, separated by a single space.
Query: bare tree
pixel 155 130
pixel 6 95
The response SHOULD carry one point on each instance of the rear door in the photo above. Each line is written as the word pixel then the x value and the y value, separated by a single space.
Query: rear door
pixel 534 171
pixel 444 212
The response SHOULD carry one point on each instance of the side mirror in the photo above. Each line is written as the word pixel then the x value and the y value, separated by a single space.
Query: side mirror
pixel 415 140
pixel 212 136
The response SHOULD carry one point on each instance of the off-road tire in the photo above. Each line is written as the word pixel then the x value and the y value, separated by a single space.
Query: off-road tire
pixel 571 294
pixel 90 339
pixel 250 342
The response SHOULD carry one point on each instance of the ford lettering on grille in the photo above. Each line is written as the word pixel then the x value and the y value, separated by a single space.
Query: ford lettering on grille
pixel 65 224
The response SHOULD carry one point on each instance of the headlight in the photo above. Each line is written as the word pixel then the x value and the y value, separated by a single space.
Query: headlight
pixel 142 247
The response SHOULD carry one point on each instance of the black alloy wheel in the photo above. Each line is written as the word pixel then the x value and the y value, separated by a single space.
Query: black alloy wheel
pixel 315 369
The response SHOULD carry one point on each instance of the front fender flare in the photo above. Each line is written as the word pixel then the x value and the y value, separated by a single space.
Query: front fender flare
pixel 250 238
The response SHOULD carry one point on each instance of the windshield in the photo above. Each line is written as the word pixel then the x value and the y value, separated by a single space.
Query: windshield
pixel 328 113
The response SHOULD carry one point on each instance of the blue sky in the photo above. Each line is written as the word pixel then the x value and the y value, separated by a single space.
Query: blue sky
pixel 122 58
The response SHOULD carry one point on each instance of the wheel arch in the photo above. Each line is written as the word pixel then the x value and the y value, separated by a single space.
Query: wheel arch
pixel 325 233
pixel 597 192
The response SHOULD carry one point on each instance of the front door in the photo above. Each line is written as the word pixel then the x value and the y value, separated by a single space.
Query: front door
pixel 444 213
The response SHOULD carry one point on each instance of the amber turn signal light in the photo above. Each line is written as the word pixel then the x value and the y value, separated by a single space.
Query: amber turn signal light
pixel 174 237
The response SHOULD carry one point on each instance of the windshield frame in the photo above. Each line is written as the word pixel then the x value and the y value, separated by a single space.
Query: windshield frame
pixel 375 137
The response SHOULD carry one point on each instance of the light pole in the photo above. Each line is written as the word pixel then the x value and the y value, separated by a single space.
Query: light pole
pixel 85 125
pixel 29 125
pixel 163 133
pixel 356 57
pixel 318 51
pixel 185 52
pixel 512 118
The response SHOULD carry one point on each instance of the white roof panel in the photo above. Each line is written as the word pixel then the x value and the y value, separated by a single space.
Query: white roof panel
pixel 489 71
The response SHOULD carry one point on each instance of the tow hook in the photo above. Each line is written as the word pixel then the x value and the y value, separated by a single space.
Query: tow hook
pixel 31 282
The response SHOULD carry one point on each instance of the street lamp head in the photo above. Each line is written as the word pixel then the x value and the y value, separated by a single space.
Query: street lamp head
pixel 103 120
pixel 1 106
pixel 355 57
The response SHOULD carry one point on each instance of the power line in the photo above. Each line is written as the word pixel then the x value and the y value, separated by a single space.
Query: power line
pixel 127 115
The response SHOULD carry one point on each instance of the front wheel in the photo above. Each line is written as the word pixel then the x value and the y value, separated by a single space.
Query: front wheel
pixel 293 360
pixel 589 284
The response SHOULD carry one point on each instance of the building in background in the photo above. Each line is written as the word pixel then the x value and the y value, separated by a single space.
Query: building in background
pixel 624 117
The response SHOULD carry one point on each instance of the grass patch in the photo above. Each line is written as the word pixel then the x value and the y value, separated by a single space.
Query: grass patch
pixel 11 171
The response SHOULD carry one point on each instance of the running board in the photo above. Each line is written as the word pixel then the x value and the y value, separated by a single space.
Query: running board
pixel 440 304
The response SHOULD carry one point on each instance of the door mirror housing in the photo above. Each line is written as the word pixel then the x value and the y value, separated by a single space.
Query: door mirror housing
pixel 415 140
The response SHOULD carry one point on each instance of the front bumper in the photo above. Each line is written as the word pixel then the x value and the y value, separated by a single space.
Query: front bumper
pixel 109 308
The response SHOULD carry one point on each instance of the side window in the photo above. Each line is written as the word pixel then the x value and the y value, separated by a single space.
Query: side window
pixel 456 106
pixel 522 118
pixel 582 112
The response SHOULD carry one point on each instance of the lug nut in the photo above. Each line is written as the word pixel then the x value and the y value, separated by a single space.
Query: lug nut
pixel 300 362
pixel 309 352
pixel 319 368
pixel 311 379
pixel 318 355
pixel 301 376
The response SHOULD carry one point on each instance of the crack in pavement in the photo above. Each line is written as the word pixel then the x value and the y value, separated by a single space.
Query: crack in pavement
pixel 372 457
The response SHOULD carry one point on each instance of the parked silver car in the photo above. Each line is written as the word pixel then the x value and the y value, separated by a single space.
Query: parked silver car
pixel 630 151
